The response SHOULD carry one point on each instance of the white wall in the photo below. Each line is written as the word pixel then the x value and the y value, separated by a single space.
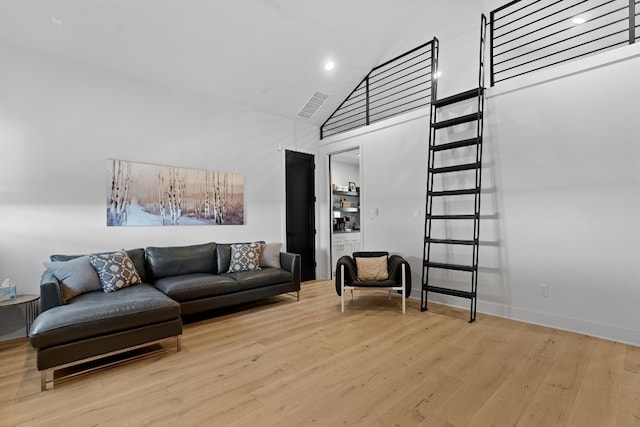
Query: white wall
pixel 342 173
pixel 60 122
pixel 560 200
pixel 564 155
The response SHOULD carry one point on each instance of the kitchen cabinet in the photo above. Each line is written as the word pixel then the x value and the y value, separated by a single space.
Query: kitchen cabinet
pixel 344 243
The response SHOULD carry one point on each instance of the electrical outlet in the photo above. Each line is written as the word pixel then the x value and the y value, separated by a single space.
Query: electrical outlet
pixel 543 290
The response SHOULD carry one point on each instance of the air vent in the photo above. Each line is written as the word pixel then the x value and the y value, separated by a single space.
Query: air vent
pixel 313 104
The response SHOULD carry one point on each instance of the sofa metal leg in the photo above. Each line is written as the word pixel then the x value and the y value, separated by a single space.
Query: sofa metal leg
pixel 178 343
pixel 298 295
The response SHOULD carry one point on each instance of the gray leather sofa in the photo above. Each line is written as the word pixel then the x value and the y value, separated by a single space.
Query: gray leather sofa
pixel 176 281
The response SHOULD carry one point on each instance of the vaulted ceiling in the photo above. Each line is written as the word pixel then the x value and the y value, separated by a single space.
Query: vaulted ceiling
pixel 266 54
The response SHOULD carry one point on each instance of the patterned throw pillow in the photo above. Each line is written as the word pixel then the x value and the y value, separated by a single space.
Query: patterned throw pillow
pixel 370 268
pixel 245 257
pixel 115 270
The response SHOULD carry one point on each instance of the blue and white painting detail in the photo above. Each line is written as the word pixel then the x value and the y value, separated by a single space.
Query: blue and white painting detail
pixel 146 194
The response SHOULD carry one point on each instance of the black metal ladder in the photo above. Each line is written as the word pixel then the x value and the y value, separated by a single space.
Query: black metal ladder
pixel 434 170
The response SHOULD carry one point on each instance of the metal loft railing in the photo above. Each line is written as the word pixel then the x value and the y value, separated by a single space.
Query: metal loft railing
pixel 529 35
pixel 400 85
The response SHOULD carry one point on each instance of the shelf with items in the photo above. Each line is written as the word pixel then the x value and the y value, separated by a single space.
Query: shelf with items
pixel 346 208
pixel 345 200
pixel 346 193
pixel 346 214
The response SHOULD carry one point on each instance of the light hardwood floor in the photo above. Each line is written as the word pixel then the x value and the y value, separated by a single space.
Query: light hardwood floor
pixel 288 363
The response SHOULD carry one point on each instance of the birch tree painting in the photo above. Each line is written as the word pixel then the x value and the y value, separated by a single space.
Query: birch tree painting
pixel 145 194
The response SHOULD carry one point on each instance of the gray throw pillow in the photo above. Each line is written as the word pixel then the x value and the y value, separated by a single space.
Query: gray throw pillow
pixel 115 270
pixel 76 277
pixel 270 256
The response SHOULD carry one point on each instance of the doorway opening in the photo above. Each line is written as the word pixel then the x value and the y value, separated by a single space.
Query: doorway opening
pixel 346 225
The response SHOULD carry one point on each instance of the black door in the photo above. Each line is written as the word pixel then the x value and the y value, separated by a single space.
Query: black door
pixel 301 232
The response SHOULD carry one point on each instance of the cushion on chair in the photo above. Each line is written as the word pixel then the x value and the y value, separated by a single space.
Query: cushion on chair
pixel 371 268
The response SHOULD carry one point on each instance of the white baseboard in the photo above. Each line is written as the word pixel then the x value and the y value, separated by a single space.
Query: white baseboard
pixel 551 320
pixel 13 331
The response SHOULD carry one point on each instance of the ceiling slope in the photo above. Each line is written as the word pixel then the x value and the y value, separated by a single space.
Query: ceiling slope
pixel 265 54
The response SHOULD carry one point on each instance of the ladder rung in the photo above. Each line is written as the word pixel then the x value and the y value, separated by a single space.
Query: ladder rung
pixel 451 241
pixel 463 96
pixel 456 144
pixel 446 266
pixel 456 168
pixel 453 292
pixel 458 120
pixel 453 192
pixel 458 216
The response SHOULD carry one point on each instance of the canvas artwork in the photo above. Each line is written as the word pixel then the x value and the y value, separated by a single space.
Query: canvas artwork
pixel 146 194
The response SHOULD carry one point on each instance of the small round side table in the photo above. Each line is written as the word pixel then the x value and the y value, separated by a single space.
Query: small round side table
pixel 31 304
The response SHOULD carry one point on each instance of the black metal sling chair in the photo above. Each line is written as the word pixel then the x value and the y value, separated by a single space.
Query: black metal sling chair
pixel 373 271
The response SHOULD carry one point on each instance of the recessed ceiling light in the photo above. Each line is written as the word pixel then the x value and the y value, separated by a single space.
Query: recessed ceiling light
pixel 55 21
pixel 329 65
pixel 579 20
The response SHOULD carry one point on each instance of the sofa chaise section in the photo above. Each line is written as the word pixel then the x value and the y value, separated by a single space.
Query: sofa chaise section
pixel 96 324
